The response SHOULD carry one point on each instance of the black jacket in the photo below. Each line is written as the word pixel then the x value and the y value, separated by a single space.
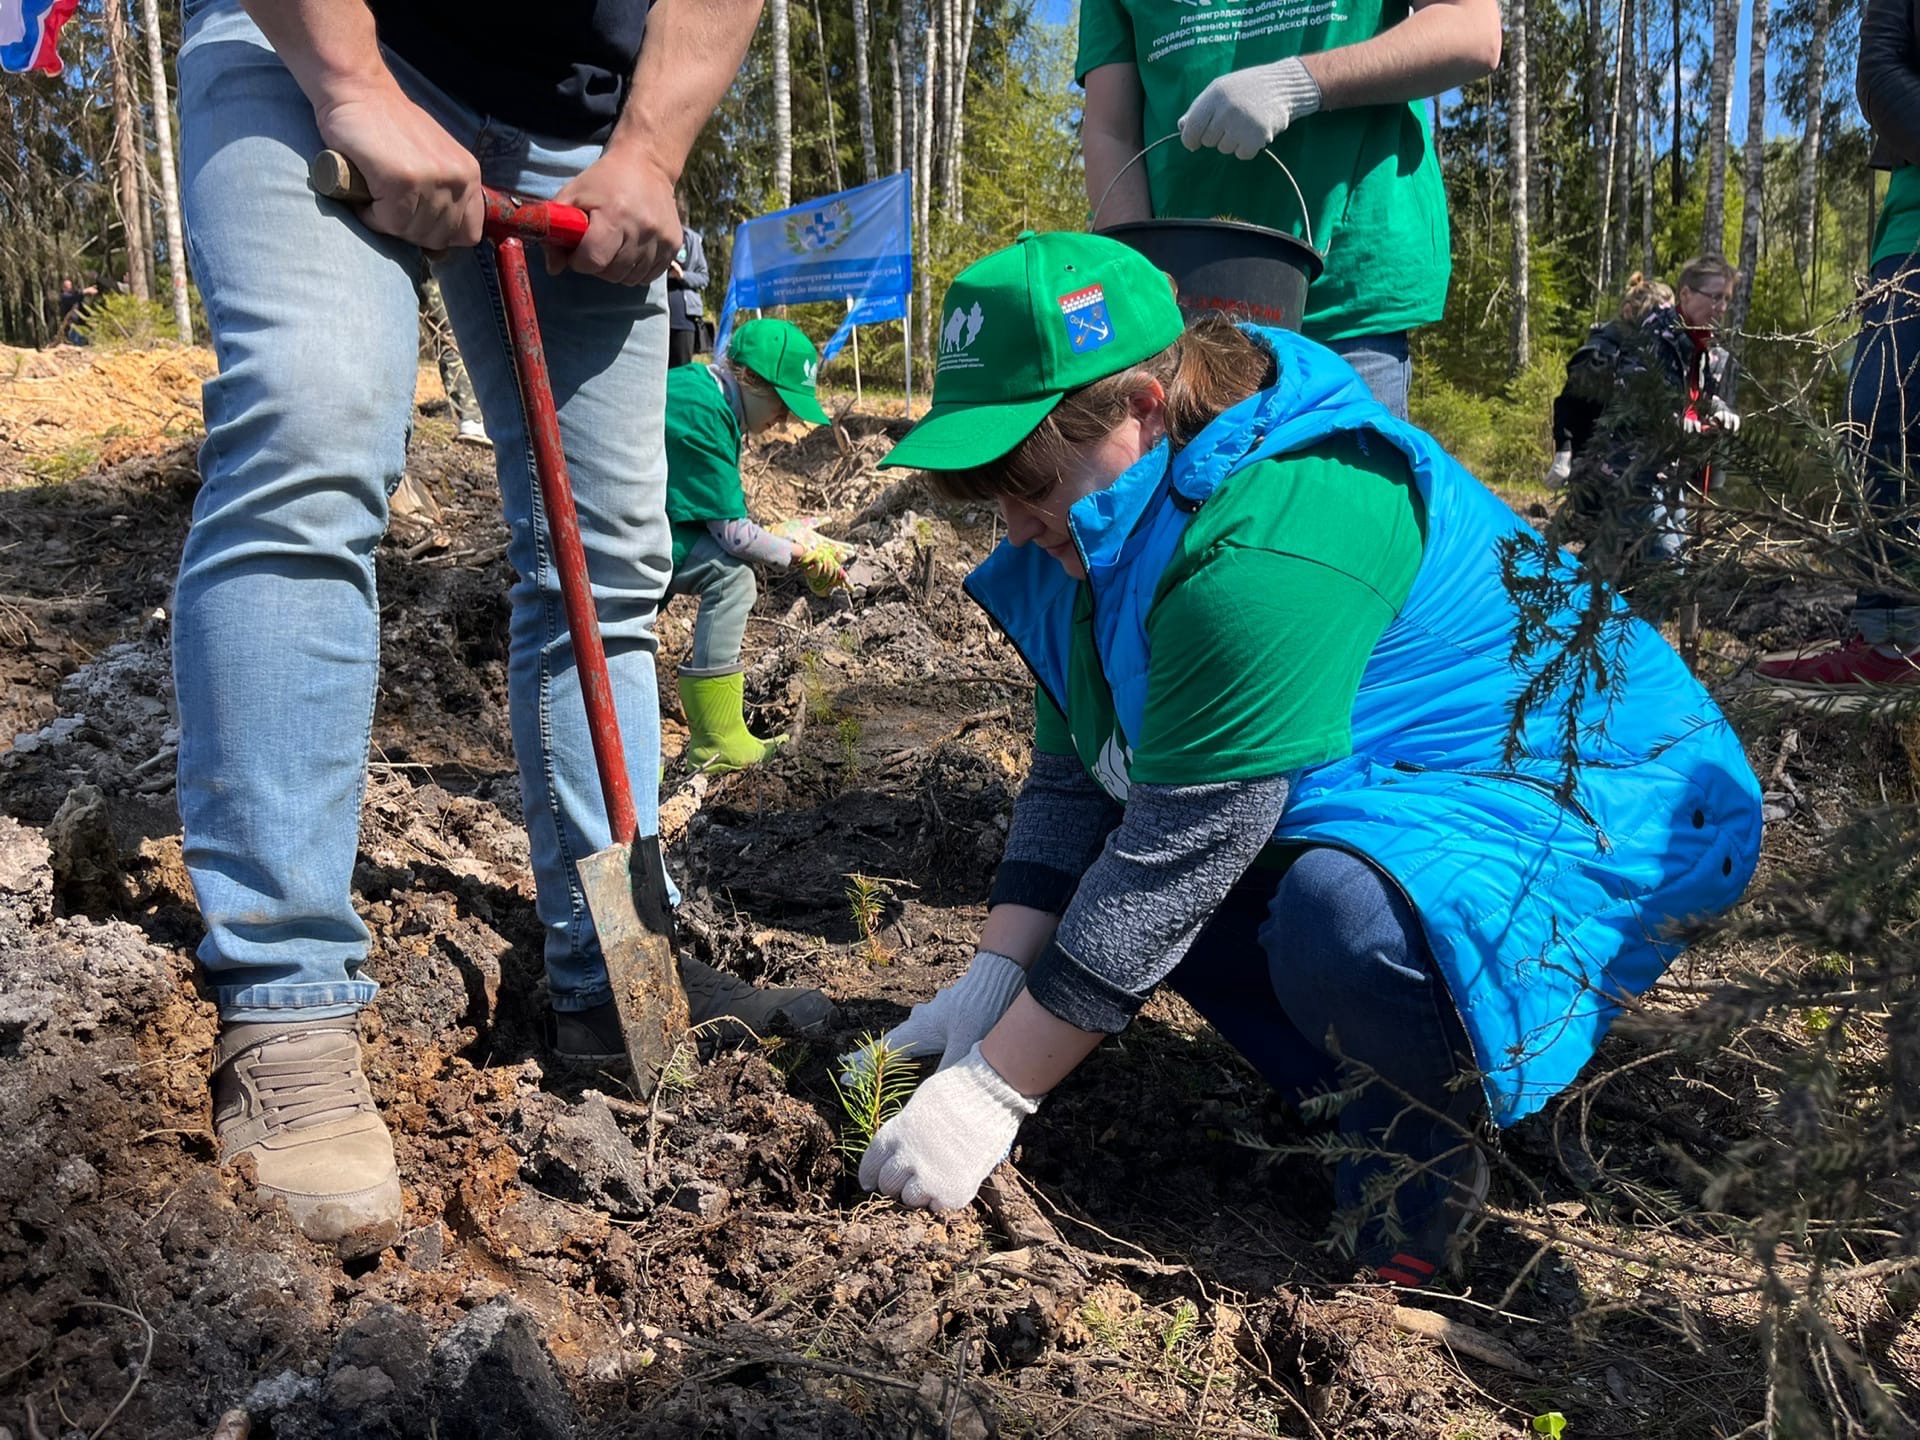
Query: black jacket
pixel 1888 80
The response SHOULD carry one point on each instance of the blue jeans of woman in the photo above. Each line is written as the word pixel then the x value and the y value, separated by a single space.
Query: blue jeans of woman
pixel 1883 409
pixel 1327 963
pixel 277 624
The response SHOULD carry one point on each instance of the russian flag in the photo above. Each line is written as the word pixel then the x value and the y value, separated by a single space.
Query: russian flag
pixel 29 30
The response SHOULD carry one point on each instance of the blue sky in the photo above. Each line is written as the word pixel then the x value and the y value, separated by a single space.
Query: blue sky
pixel 1059 11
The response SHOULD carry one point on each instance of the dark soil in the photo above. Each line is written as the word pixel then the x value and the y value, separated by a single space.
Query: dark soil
pixel 575 1263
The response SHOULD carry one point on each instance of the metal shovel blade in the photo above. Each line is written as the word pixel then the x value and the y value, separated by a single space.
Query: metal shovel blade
pixel 623 884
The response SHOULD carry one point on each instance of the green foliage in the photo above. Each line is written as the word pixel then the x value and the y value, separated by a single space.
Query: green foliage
pixel 1553 1425
pixel 847 734
pixel 1504 438
pixel 875 1084
pixel 126 322
pixel 64 466
pixel 867 904
pixel 1180 1329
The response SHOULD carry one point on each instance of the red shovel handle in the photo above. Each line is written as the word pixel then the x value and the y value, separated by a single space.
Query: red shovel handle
pixel 333 175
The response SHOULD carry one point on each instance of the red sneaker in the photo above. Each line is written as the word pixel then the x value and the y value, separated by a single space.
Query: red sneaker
pixel 1852 666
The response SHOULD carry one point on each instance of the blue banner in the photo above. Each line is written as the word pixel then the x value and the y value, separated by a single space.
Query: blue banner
pixel 856 245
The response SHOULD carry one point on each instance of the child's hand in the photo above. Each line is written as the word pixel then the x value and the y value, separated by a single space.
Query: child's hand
pixel 824 572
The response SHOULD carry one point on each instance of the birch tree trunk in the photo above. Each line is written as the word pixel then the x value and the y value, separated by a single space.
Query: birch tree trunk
pixel 923 164
pixel 169 175
pixel 1596 79
pixel 1753 208
pixel 962 57
pixel 1625 124
pixel 1647 264
pixel 1726 34
pixel 126 159
pixel 1517 106
pixel 941 79
pixel 141 170
pixel 863 85
pixel 1610 163
pixel 1810 139
pixel 899 154
pixel 826 89
pixel 1678 166
pixel 782 105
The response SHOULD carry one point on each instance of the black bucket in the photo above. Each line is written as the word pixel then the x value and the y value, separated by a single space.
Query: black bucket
pixel 1246 271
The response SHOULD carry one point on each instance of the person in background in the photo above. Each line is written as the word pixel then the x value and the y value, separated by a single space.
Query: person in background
pixel 1593 375
pixel 1274 652
pixel 1881 649
pixel 1683 349
pixel 766 377
pixel 1341 96
pixel 73 312
pixel 469 427
pixel 686 278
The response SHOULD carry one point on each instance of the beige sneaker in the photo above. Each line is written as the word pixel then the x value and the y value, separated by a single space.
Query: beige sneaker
pixel 292 1095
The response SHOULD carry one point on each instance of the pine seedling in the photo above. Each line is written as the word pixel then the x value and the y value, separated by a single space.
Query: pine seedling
pixel 867 904
pixel 875 1084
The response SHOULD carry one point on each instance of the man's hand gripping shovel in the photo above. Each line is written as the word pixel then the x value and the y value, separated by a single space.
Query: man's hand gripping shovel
pixel 626 883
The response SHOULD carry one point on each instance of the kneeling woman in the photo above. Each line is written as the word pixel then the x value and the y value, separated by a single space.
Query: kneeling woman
pixel 1277 668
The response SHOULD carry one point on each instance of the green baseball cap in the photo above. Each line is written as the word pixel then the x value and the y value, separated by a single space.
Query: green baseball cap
pixel 1021 328
pixel 781 354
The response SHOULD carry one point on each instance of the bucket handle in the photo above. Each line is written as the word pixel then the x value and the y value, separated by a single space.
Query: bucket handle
pixel 1306 220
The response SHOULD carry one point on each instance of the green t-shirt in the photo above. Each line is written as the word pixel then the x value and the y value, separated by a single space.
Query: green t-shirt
pixel 1369 176
pixel 1261 625
pixel 1898 232
pixel 703 456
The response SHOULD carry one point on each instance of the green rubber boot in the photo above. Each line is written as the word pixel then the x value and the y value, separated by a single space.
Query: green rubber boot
pixel 718 740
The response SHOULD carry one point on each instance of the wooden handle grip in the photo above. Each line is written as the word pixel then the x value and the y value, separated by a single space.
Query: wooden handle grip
pixel 332 175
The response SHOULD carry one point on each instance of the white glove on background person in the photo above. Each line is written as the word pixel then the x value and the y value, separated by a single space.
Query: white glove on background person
pixel 1561 469
pixel 1240 113
pixel 1725 416
pixel 956 1018
pixel 959 1124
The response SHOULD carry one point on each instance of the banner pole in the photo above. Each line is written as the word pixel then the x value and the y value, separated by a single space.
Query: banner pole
pixel 906 338
pixel 853 334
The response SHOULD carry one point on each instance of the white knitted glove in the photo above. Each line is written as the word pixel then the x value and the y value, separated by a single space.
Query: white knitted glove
pixel 959 1124
pixel 955 1019
pixel 1725 416
pixel 1240 113
pixel 1561 469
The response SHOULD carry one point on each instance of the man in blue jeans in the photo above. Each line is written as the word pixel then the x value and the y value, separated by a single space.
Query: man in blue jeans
pixel 313 315
pixel 1881 652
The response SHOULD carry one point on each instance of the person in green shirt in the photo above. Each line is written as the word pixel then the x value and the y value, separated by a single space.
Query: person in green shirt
pixel 1339 93
pixel 766 375
pixel 1277 763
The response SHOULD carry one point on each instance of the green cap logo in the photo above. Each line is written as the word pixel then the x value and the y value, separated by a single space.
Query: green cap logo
pixel 957 337
pixel 1021 328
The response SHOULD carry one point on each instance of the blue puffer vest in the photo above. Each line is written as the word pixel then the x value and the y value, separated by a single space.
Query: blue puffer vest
pixel 1544 904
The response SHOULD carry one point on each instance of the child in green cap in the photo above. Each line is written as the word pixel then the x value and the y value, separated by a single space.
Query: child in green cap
pixel 766 375
pixel 1276 759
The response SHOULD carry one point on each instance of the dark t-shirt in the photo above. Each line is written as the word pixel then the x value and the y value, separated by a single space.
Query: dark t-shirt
pixel 559 70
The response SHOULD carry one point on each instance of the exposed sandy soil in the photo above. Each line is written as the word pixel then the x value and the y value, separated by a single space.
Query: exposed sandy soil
pixel 578 1264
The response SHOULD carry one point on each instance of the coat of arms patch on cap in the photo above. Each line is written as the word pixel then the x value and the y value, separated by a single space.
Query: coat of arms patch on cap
pixel 1085 314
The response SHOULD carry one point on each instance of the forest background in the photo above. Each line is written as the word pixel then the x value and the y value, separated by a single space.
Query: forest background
pixel 1567 170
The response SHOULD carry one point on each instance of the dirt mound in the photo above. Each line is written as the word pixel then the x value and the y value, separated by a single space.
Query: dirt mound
pixel 114 404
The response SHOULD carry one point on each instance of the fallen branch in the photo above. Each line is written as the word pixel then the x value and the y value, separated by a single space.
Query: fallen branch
pixel 1460 1336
